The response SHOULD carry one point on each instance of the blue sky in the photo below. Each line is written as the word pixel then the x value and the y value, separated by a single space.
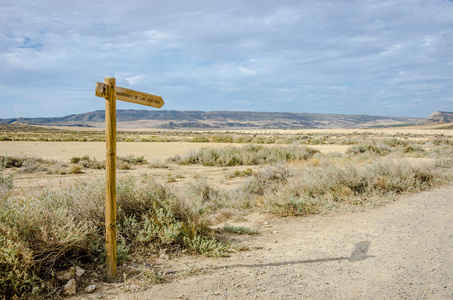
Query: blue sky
pixel 391 58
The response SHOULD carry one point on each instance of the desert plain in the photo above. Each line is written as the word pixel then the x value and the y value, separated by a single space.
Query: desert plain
pixel 390 243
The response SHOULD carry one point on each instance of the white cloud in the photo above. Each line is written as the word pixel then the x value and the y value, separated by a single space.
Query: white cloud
pixel 331 55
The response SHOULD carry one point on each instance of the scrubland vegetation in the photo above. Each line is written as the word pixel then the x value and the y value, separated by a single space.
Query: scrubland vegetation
pixel 41 234
pixel 21 132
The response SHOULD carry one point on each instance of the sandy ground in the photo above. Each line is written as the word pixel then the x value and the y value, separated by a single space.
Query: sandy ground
pixel 400 251
pixel 64 151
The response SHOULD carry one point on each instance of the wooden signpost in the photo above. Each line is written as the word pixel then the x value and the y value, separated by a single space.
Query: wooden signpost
pixel 111 93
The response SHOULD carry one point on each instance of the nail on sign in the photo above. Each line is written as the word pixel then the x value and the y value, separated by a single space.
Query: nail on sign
pixel 130 95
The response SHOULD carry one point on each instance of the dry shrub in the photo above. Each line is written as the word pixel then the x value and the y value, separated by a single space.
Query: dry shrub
pixel 221 138
pixel 157 164
pixel 398 177
pixel 270 178
pixel 26 164
pixel 245 155
pixel 444 158
pixel 239 173
pixel 413 149
pixel 329 187
pixel 11 162
pixel 380 150
pixel 132 160
pixel 394 142
pixel 75 170
pixel 40 235
pixel 203 198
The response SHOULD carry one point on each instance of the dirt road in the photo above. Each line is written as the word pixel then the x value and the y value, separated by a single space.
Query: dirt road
pixel 403 250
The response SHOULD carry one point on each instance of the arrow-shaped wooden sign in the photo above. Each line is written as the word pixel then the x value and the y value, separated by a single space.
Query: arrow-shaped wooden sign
pixel 130 95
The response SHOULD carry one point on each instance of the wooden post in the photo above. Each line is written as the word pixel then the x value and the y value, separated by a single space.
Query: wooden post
pixel 111 93
pixel 110 178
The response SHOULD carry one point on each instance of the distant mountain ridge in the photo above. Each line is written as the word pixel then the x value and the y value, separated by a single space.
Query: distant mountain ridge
pixel 174 119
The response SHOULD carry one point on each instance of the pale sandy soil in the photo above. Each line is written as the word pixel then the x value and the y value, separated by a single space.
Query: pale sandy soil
pixel 400 251
pixel 64 151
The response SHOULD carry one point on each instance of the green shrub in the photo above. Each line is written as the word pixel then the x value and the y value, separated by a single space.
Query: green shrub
pixel 75 160
pixel 207 246
pixel 240 229
pixel 6 185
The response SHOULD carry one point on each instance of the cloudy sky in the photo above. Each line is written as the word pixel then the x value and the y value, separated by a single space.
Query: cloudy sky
pixel 375 57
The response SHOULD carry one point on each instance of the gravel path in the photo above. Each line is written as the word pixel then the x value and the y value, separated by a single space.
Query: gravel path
pixel 403 250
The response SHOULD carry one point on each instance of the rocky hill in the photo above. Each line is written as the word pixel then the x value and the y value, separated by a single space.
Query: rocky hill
pixel 172 119
pixel 440 117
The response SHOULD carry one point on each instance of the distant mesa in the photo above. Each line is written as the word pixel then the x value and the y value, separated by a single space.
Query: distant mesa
pixel 440 117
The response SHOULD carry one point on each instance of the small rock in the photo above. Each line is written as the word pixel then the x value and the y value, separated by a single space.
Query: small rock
pixel 70 288
pixel 66 275
pixel 90 289
pixel 79 271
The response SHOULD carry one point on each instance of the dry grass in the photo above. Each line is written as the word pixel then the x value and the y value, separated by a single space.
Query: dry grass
pixel 53 230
